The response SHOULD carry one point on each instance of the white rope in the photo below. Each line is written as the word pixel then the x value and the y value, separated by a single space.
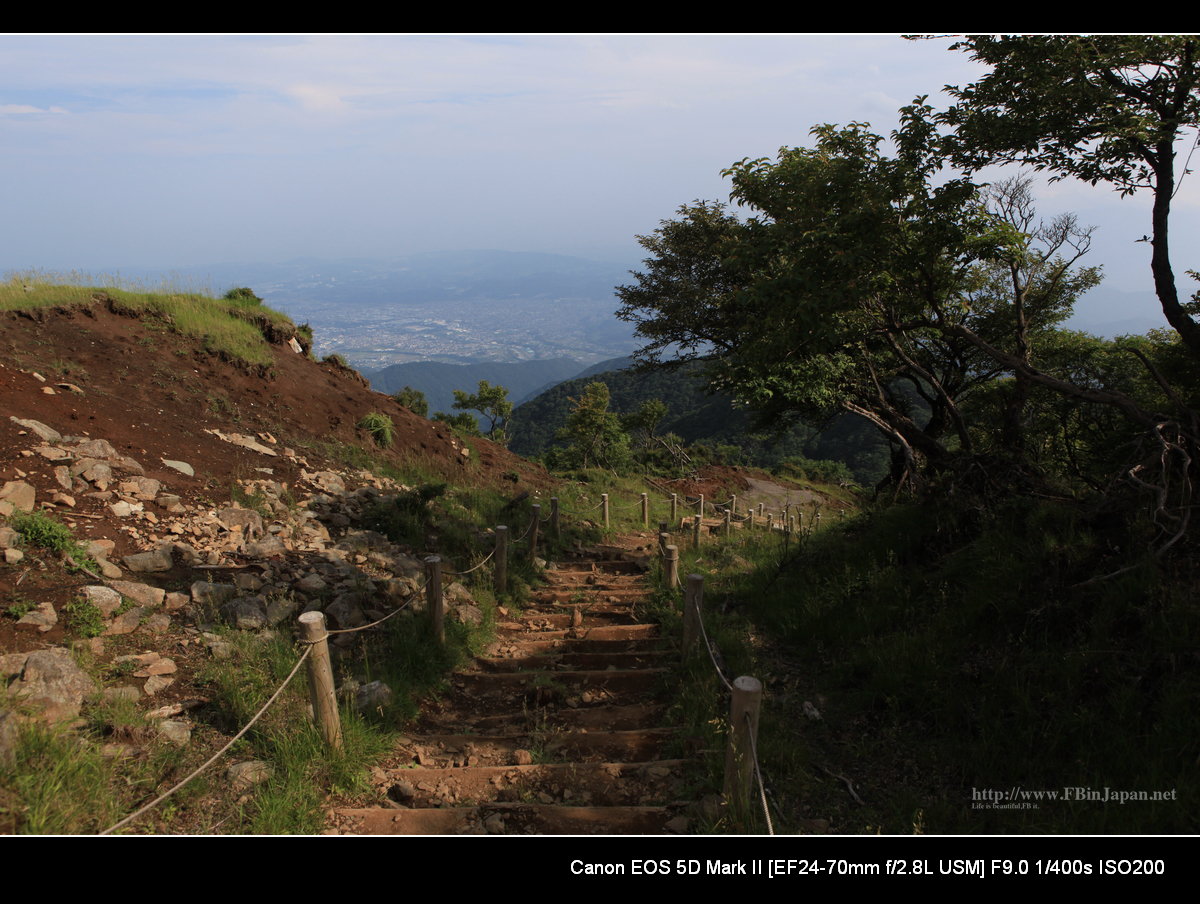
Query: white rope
pixel 762 793
pixel 459 574
pixel 708 646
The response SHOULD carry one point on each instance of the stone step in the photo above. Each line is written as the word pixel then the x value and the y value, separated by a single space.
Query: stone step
pixel 459 750
pixel 569 661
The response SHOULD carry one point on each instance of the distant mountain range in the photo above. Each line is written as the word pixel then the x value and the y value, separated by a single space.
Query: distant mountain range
pixel 438 381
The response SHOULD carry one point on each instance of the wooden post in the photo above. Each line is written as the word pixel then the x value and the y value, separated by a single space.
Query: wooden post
pixel 645 510
pixel 663 527
pixel 554 524
pixel 320 679
pixel 501 558
pixel 536 523
pixel 700 506
pixel 604 508
pixel 663 537
pixel 693 603
pixel 733 504
pixel 728 522
pixel 760 509
pixel 750 521
pixel 696 533
pixel 672 567
pixel 739 759
pixel 433 593
pixel 674 508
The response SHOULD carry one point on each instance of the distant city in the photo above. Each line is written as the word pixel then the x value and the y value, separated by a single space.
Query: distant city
pixel 452 307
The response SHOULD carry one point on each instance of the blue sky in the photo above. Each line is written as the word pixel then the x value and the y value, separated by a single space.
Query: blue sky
pixel 154 152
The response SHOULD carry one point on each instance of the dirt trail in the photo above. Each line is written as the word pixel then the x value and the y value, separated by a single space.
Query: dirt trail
pixel 554 731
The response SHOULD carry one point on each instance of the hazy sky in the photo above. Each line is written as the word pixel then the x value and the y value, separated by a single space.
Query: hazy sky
pixel 160 151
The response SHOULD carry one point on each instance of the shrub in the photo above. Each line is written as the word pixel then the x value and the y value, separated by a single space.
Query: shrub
pixel 380 427
pixel 243 296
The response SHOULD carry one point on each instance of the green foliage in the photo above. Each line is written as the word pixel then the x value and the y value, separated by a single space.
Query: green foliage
pixel 464 423
pixel 492 402
pixel 43 531
pixel 595 433
pixel 380 427
pixel 818 471
pixel 413 399
pixel 242 296
pixel 85 618
pixel 335 359
pixel 1100 108
pixel 408 517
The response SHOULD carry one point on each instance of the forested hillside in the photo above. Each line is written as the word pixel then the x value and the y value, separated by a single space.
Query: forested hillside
pixel 715 421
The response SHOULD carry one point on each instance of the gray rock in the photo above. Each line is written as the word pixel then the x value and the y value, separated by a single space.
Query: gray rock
pixel 44 618
pixel 268 546
pixel 149 562
pixel 204 592
pixel 105 599
pixel 178 733
pixel 373 695
pixel 142 594
pixel 181 466
pixel 126 623
pixel 97 448
pixel 19 494
pixel 51 680
pixel 246 775
pixel 245 613
pixel 49 434
pixel 280 610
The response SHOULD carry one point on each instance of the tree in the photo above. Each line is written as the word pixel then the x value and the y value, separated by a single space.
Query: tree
pixel 492 402
pixel 414 400
pixel 684 300
pixel 1101 108
pixel 594 432
pixel 862 284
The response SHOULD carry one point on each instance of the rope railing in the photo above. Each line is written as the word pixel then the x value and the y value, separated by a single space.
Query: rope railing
pixel 459 574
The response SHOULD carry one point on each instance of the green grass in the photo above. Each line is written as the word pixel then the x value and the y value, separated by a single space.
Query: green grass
pixel 960 656
pixel 380 427
pixel 232 327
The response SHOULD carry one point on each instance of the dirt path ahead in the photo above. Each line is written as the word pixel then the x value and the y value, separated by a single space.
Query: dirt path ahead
pixel 556 730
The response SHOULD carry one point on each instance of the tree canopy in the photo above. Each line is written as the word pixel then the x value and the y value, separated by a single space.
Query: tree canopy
pixel 1101 108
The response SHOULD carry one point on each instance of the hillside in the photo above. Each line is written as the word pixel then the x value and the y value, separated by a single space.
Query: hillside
pixel 712 420
pixel 438 380
pixel 169 458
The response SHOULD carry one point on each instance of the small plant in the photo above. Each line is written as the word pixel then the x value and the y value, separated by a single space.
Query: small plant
pixel 335 359
pixel 20 608
pixel 44 532
pixel 85 618
pixel 243 295
pixel 380 427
